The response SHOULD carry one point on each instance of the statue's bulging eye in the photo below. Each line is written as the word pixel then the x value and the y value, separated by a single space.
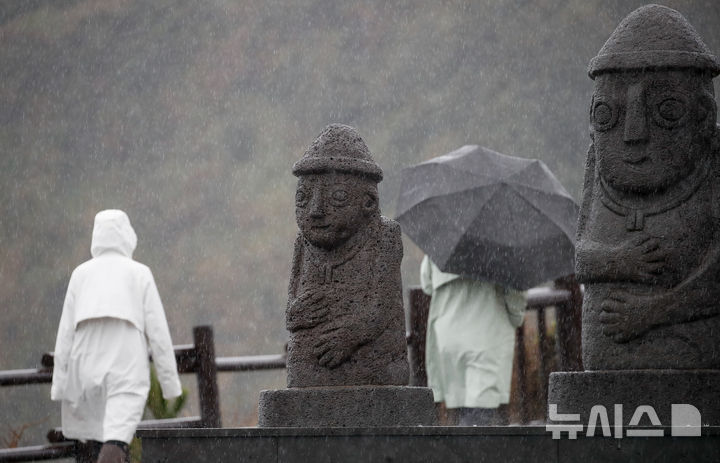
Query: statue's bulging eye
pixel 671 109
pixel 339 196
pixel 301 198
pixel 603 116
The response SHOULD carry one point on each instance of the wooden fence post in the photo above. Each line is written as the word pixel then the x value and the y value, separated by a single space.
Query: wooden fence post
pixel 419 303
pixel 522 393
pixel 569 326
pixel 207 376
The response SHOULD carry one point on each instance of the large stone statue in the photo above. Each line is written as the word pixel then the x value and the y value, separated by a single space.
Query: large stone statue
pixel 347 355
pixel 648 247
pixel 649 233
pixel 345 310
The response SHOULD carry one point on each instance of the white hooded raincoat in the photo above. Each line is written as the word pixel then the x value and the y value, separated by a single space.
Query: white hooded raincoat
pixel 112 311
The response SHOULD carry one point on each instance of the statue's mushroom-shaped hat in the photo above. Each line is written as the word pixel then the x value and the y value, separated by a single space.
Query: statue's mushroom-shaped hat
pixel 338 148
pixel 654 37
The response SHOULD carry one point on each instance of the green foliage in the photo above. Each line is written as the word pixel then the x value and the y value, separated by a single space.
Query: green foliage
pixel 159 407
pixel 136 450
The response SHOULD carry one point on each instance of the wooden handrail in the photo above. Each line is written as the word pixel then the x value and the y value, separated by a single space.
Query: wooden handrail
pixel 26 376
pixel 251 362
pixel 184 356
pixel 39 452
pixel 543 297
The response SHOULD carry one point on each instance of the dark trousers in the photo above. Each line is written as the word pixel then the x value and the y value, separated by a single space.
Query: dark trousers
pixel 87 452
pixel 482 417
pixel 90 452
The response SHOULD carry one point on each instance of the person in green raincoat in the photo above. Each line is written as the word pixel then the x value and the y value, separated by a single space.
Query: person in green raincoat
pixel 470 343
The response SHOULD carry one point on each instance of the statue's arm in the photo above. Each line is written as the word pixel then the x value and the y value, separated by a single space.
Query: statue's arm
pixel 309 308
pixel 386 294
pixel 590 256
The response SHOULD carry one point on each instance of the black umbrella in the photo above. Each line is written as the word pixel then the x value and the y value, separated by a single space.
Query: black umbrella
pixel 488 216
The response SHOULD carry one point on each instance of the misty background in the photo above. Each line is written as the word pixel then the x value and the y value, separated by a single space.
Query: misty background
pixel 188 115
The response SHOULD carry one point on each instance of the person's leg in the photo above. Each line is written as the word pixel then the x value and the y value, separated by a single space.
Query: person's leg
pixel 87 452
pixel 123 412
pixel 114 451
pixel 452 416
pixel 446 416
pixel 479 417
pixel 127 382
pixel 503 415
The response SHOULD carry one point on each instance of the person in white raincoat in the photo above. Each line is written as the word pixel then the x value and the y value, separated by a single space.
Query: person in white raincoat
pixel 112 311
pixel 470 343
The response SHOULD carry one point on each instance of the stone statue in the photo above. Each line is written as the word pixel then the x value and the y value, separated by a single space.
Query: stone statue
pixel 648 244
pixel 347 355
pixel 648 248
pixel 345 313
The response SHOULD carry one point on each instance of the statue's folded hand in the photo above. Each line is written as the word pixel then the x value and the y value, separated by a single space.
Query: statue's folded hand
pixel 622 317
pixel 647 259
pixel 335 343
pixel 307 310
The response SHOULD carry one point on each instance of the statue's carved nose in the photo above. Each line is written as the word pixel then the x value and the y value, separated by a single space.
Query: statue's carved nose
pixel 636 130
pixel 316 205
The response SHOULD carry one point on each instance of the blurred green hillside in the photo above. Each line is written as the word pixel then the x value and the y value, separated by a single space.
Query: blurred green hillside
pixel 188 115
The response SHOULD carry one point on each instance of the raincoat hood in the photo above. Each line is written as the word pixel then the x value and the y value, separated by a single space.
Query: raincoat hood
pixel 113 232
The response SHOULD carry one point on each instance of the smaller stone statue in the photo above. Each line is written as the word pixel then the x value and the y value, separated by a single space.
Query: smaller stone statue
pixel 347 355
pixel 344 310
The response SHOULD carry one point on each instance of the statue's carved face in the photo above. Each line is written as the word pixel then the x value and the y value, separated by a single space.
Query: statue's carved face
pixel 650 129
pixel 331 207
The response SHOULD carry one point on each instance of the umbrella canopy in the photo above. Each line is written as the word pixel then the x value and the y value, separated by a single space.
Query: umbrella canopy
pixel 489 216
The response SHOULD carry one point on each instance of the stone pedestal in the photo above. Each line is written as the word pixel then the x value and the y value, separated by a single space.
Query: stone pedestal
pixel 347 406
pixel 578 392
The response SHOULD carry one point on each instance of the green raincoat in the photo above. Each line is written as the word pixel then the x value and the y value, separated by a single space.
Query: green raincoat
pixel 470 338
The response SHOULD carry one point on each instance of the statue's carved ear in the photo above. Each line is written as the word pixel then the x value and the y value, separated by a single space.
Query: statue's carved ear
pixel 715 146
pixel 370 202
pixel 707 112
pixel 715 140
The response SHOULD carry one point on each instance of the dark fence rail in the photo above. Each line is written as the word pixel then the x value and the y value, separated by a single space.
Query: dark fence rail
pixel 39 452
pixel 27 376
pixel 251 362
